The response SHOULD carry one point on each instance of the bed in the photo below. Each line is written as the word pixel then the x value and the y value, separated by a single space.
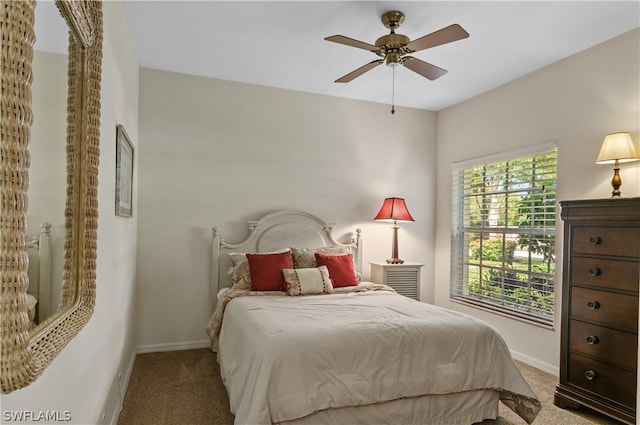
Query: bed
pixel 313 349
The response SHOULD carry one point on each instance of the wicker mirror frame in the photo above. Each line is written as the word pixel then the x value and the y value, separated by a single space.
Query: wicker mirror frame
pixel 26 351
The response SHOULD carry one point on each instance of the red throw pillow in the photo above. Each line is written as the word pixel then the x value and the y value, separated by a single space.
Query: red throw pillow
pixel 266 270
pixel 340 267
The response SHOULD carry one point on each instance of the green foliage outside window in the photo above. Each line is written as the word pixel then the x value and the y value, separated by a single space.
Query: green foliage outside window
pixel 506 292
pixel 492 250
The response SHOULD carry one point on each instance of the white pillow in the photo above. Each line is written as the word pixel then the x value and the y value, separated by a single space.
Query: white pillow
pixel 308 281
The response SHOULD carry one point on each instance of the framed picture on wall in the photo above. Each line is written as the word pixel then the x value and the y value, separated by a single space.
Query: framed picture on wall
pixel 124 173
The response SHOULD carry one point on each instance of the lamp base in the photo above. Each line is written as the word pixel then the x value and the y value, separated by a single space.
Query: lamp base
pixel 616 181
pixel 395 261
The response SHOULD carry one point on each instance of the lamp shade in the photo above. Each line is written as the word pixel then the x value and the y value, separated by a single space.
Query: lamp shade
pixel 394 209
pixel 617 147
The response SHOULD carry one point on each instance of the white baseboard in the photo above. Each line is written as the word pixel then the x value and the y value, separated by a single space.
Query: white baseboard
pixel 124 382
pixel 115 398
pixel 174 346
pixel 549 368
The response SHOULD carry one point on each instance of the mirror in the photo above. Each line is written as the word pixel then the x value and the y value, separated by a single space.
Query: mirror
pixel 47 169
pixel 26 350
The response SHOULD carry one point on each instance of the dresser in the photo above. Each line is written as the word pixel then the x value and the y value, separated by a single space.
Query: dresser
pixel 404 278
pixel 599 328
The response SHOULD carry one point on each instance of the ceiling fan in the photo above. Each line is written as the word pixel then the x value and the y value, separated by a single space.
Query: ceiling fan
pixel 393 48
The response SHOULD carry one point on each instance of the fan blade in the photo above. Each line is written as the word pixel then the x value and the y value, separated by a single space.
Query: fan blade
pixel 353 43
pixel 445 35
pixel 423 68
pixel 358 72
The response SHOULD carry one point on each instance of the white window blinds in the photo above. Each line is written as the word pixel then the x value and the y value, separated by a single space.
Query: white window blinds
pixel 503 234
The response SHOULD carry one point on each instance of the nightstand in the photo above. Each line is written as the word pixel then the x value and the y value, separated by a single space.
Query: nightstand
pixel 404 278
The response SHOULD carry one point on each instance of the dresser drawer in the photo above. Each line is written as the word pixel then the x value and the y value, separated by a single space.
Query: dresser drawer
pixel 605 308
pixel 606 344
pixel 623 241
pixel 606 273
pixel 608 381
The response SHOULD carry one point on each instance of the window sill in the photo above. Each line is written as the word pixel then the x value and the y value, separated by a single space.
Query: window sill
pixel 470 302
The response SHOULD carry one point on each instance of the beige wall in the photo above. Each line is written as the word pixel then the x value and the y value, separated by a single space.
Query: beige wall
pixel 220 153
pixel 83 379
pixel 574 102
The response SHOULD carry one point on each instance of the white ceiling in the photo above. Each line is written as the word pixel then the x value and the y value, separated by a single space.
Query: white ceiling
pixel 281 43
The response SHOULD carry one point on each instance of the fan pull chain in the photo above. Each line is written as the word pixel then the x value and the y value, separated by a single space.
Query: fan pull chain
pixel 393 90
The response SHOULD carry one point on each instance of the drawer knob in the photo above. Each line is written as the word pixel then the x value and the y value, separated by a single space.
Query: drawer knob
pixel 592 339
pixel 593 305
pixel 590 375
pixel 595 240
pixel 594 271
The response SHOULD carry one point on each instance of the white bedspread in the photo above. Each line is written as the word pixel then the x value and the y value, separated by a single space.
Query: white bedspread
pixel 286 357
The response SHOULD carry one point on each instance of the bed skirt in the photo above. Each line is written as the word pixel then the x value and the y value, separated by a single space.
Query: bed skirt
pixel 464 408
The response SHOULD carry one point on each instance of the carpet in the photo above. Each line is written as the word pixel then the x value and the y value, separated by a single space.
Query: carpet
pixel 184 387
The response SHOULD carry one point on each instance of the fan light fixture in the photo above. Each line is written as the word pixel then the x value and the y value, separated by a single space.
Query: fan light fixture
pixel 616 149
pixel 394 209
pixel 393 48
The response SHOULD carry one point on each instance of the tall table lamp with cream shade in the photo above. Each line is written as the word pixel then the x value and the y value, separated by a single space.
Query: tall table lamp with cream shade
pixel 394 209
pixel 616 149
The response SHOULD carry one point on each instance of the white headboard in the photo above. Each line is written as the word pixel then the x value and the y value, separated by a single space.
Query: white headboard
pixel 276 230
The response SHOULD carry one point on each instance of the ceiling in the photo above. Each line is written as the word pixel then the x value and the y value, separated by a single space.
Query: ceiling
pixel 281 43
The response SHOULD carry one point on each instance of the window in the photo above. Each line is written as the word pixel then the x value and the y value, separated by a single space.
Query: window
pixel 503 234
